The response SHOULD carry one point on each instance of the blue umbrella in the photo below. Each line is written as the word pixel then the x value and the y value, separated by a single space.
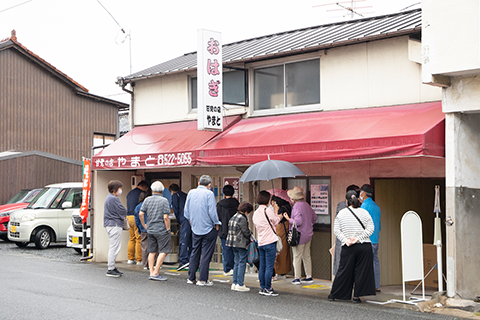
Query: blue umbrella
pixel 271 169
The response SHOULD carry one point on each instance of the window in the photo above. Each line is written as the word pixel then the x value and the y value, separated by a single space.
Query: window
pixel 100 139
pixel 289 84
pixel 233 89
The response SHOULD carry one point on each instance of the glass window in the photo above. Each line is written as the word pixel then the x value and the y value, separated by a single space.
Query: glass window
pixel 233 89
pixel 193 91
pixel 75 197
pixel 58 199
pixel 43 199
pixel 100 139
pixel 292 84
pixel 18 197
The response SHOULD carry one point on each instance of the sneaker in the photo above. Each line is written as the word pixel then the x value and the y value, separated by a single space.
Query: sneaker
pixel 307 280
pixel 158 278
pixel 190 281
pixel 274 278
pixel 242 288
pixel 280 277
pixel 229 273
pixel 182 266
pixel 131 261
pixel 296 281
pixel 234 286
pixel 113 273
pixel 139 263
pixel 116 270
pixel 270 292
pixel 207 283
pixel 262 291
pixel 145 268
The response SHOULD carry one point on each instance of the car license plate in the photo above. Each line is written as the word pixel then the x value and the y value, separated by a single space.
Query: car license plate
pixel 75 240
pixel 13 228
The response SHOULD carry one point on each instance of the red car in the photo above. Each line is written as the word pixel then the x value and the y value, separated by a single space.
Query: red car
pixel 19 201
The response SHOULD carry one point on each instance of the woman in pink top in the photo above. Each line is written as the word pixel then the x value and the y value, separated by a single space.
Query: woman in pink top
pixel 304 217
pixel 265 221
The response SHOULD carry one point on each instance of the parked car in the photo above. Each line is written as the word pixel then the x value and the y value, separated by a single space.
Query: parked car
pixel 75 233
pixel 47 218
pixel 19 201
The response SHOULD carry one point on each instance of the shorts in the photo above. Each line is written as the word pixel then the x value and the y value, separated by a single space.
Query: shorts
pixel 161 243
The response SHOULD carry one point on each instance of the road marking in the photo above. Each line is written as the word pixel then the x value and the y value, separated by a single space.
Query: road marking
pixel 316 286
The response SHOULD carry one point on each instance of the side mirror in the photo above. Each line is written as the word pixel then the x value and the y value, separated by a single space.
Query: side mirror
pixel 66 205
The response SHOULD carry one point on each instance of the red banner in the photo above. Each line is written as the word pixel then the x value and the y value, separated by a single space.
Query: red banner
pixel 85 189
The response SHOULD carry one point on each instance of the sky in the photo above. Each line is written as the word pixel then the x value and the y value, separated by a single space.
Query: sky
pixel 83 38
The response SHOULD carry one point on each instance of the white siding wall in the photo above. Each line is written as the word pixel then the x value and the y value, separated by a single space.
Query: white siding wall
pixel 373 74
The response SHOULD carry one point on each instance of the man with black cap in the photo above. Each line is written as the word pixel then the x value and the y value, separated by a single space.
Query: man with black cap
pixel 366 193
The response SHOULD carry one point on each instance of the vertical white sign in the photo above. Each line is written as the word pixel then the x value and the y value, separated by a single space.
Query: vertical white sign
pixel 209 80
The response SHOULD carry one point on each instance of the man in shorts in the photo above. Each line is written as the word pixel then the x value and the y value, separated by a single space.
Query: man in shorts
pixel 156 209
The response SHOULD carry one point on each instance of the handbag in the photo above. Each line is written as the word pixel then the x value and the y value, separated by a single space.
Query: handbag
pixel 253 256
pixel 126 225
pixel 293 237
pixel 279 240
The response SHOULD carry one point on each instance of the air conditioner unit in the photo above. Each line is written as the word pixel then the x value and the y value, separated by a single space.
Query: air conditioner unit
pixel 135 180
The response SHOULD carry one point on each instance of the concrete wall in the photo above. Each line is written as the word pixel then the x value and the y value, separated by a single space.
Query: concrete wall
pixel 463 203
pixel 100 192
pixel 373 74
pixel 450 38
pixel 463 95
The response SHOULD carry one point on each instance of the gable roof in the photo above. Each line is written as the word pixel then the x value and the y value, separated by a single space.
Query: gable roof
pixel 12 43
pixel 298 41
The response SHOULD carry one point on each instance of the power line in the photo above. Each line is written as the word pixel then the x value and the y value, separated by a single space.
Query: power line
pixel 17 5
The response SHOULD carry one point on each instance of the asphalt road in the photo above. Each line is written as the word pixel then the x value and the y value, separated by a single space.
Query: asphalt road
pixel 53 284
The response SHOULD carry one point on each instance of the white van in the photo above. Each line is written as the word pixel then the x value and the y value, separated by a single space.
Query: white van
pixel 47 218
pixel 75 234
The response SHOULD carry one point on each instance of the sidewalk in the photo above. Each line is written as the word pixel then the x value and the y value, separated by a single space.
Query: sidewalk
pixel 321 289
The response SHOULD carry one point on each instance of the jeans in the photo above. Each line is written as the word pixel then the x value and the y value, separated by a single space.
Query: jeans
pixel 267 255
pixel 240 258
pixel 376 265
pixel 185 246
pixel 227 256
pixel 114 244
pixel 204 246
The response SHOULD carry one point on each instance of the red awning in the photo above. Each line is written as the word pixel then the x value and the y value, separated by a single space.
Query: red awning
pixel 398 131
pixel 154 146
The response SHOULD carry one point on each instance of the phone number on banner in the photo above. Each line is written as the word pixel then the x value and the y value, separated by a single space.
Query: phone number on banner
pixel 165 159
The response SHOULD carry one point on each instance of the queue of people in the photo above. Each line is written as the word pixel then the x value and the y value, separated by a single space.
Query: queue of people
pixel 201 220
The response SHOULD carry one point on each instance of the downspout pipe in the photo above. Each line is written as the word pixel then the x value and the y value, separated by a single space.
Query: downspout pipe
pixel 122 83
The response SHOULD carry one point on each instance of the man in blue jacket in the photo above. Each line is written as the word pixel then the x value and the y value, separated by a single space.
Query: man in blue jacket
pixel 185 242
pixel 366 194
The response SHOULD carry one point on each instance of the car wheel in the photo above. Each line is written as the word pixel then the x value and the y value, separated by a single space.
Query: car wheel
pixel 21 244
pixel 42 239
pixel 4 237
pixel 78 250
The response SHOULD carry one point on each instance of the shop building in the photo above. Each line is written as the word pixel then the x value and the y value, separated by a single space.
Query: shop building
pixel 344 102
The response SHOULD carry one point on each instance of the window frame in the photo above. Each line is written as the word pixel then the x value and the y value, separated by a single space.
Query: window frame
pixel 282 62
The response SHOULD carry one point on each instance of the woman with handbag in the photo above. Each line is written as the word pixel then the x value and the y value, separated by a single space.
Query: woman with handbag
pixel 303 217
pixel 353 227
pixel 283 262
pixel 238 239
pixel 265 221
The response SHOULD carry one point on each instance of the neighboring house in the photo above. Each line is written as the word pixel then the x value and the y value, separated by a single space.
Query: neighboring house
pixel 451 60
pixel 48 122
pixel 342 101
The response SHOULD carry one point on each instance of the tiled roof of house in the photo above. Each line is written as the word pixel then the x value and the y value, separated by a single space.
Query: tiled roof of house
pixel 12 41
pixel 299 41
